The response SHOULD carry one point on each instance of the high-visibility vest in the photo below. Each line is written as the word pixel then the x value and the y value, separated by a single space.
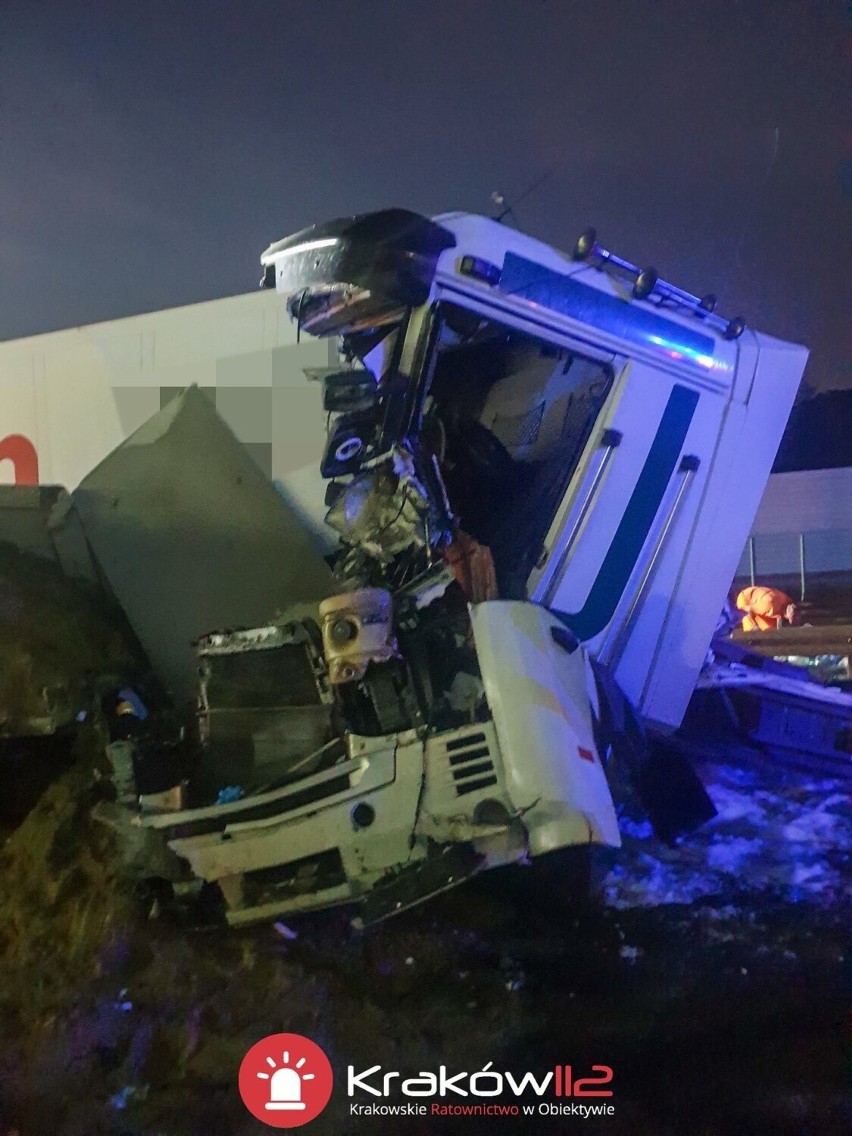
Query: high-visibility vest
pixel 763 607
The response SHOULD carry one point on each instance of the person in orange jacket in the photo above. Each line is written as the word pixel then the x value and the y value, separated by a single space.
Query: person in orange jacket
pixel 766 609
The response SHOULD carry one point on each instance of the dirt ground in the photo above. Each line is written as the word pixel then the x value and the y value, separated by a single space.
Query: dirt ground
pixel 711 978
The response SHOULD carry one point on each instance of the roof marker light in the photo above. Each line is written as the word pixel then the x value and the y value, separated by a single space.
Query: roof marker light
pixel 480 269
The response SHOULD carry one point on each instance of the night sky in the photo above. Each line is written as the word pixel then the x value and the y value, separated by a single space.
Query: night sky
pixel 151 149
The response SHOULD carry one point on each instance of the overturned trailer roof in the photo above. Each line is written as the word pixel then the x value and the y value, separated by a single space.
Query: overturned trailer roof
pixel 191 536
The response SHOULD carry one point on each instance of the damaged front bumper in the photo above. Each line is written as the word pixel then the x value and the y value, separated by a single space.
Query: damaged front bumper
pixel 391 819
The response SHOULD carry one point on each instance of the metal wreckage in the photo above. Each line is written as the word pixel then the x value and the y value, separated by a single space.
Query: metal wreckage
pixel 539 473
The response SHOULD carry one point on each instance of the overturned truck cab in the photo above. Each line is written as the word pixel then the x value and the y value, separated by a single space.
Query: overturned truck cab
pixel 539 473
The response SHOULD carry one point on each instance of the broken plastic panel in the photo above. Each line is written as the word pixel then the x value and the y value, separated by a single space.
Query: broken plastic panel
pixel 192 537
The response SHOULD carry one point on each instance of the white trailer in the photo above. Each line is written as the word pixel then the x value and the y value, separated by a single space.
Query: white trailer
pixel 69 397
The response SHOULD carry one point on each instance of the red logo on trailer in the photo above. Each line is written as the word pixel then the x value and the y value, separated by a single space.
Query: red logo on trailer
pixel 22 454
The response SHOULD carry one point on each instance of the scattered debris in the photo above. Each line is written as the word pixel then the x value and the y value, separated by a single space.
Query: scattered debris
pixel 285 932
pixel 123 1004
pixel 129 1094
pixel 631 954
pixel 775 828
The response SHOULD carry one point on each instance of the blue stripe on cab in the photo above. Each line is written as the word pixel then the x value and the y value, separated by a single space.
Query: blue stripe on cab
pixel 642 508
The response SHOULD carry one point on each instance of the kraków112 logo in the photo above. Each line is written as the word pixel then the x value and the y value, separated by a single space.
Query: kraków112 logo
pixel 285 1080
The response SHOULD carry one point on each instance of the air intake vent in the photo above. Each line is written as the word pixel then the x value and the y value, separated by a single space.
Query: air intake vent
pixel 470 762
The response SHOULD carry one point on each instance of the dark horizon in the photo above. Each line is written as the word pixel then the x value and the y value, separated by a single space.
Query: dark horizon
pixel 151 152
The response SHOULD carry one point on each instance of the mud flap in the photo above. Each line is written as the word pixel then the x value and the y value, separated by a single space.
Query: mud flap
pixel 664 781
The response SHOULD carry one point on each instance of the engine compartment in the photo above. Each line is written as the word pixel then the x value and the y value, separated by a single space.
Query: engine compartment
pixel 441 489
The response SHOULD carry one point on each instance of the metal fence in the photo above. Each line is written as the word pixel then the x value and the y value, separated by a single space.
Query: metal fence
pixel 803 554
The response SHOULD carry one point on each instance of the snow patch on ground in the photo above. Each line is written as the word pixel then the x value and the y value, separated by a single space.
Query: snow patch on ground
pixel 775 830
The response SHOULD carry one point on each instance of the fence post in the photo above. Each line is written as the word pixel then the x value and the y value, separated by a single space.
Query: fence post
pixel 802 566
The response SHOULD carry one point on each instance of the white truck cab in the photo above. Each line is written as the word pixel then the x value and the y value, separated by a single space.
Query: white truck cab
pixel 616 430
